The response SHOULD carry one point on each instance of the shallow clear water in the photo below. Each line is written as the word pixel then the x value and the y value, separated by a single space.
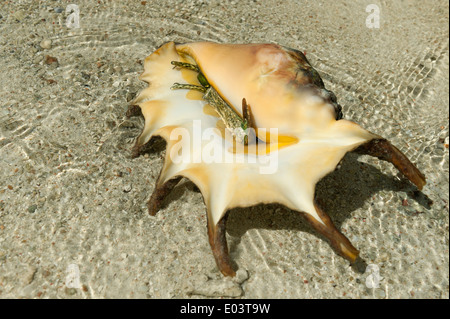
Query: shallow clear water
pixel 71 195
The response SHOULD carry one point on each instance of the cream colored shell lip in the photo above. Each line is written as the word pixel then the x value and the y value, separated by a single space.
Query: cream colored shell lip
pixel 285 93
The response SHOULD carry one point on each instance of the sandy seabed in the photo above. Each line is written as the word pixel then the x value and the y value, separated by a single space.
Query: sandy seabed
pixel 73 219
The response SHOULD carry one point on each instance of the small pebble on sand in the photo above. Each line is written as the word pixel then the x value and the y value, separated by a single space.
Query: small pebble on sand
pixel 46 44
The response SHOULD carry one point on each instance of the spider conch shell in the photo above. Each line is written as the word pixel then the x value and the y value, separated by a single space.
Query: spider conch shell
pixel 284 93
